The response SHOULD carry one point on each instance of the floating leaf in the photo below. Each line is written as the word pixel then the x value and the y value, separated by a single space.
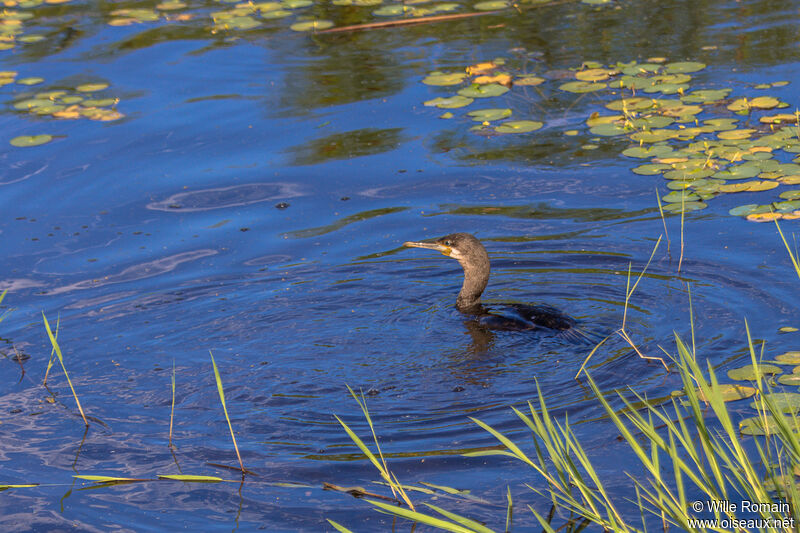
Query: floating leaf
pixel 483 91
pixel 686 207
pixel 788 329
pixel 651 169
pixel 748 372
pixel 502 79
pixel 30 81
pixel 582 86
pixel 491 5
pixel 30 140
pixel 442 78
pixel 518 126
pixel 489 115
pixel 529 80
pixel 790 380
pixel 91 87
pixel 755 425
pixel 744 210
pixel 785 402
pixel 763 217
pixel 191 478
pixel 595 74
pixel 789 358
pixel 684 66
pixel 310 25
pixel 451 102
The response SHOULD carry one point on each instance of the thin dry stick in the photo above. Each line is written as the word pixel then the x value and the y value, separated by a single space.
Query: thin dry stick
pixel 172 411
pixel 405 22
pixel 54 342
pixel 622 333
pixel 225 409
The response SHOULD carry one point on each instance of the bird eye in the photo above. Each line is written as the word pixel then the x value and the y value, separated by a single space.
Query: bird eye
pixel 448 243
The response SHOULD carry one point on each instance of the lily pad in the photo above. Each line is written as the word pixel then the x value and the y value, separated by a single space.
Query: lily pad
pixel 488 115
pixel 744 210
pixel 91 87
pixel 785 402
pixel 518 126
pixel 444 78
pixel 582 86
pixel 650 169
pixel 529 80
pixel 684 66
pixel 311 25
pixel 789 358
pixel 451 102
pixel 685 207
pixel 755 425
pixel 483 91
pixel 30 140
pixel 790 380
pixel 491 5
pixel 748 372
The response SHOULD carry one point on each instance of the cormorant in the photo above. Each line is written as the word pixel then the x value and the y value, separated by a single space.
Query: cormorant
pixel 469 251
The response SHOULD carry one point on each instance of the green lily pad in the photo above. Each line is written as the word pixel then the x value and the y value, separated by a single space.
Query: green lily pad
pixel 789 358
pixel 790 380
pixel 30 140
pixel 744 210
pixel 491 5
pixel 444 78
pixel 631 104
pixel 643 152
pixel 30 81
pixel 529 80
pixel 755 425
pixel 651 169
pixel 483 91
pixel 451 102
pixel 311 25
pixel 704 96
pixel 91 87
pixel 684 66
pixel 785 402
pixel 608 130
pixel 582 86
pixel 518 126
pixel 748 372
pixel 685 207
pixel 488 115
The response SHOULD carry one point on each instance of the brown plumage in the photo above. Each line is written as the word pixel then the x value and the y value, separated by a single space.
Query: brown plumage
pixel 474 259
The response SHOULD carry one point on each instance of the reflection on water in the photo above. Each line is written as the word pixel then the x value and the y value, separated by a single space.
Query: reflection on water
pixel 157 238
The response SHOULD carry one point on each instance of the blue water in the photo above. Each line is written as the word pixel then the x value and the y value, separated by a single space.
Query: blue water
pixel 164 235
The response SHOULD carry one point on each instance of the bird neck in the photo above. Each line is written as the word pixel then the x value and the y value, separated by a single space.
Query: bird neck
pixel 476 277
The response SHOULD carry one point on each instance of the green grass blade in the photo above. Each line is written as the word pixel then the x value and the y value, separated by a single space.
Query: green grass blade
pixel 339 527
pixel 225 409
pixel 421 517
pixel 57 348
